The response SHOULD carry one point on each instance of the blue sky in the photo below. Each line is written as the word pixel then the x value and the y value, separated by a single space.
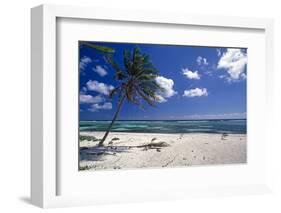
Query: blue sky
pixel 199 82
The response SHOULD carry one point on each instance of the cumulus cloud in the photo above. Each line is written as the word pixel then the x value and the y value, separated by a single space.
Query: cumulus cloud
pixel 197 92
pixel 167 85
pixel 100 70
pixel 234 61
pixel 84 61
pixel 104 106
pixel 191 75
pixel 89 99
pixel 201 61
pixel 99 87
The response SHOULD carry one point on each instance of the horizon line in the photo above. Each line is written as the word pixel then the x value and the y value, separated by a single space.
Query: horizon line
pixel 167 119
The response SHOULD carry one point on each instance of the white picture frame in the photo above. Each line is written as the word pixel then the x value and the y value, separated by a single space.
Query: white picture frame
pixel 44 154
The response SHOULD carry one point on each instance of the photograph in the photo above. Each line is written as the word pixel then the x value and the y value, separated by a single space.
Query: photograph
pixel 160 105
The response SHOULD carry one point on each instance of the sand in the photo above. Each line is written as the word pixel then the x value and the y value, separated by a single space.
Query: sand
pixel 182 150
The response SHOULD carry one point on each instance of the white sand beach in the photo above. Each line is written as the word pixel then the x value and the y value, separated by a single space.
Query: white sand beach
pixel 144 150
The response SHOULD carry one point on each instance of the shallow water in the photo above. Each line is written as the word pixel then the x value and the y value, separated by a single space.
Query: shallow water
pixel 233 126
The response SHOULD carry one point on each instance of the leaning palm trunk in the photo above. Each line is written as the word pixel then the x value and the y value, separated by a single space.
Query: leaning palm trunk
pixel 113 120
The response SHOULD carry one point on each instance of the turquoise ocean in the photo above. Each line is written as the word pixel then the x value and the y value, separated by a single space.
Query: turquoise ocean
pixel 231 126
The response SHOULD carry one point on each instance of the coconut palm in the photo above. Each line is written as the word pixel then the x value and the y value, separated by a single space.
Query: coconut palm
pixel 100 48
pixel 136 82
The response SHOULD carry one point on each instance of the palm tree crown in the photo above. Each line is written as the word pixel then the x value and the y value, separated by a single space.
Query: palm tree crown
pixel 137 81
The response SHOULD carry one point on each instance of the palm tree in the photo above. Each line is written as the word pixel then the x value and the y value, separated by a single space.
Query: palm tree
pixel 136 82
pixel 100 48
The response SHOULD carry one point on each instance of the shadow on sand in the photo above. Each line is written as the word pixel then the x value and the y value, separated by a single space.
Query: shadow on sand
pixel 97 153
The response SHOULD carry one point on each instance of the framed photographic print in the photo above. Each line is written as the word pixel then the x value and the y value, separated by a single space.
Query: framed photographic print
pixel 172 106
pixel 148 106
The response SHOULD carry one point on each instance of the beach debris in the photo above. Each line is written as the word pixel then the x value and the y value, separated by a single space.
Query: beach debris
pixel 154 145
pixel 223 136
pixel 115 139
pixel 153 139
pixel 204 157
pixel 116 167
pixel 181 136
pixel 87 167
pixel 184 158
pixel 88 138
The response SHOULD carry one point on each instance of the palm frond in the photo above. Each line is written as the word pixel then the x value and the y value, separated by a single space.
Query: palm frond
pixel 148 98
pixel 127 61
pixel 119 73
pixel 98 47
pixel 148 71
pixel 114 91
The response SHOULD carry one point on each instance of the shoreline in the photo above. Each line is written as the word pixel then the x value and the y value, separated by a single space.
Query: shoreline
pixel 160 133
pixel 124 150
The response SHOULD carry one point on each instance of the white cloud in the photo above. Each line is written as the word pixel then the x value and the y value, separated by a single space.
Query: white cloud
pixel 100 70
pixel 97 107
pixel 234 62
pixel 191 75
pixel 167 85
pixel 84 61
pixel 84 89
pixel 221 76
pixel 243 76
pixel 219 52
pixel 197 92
pixel 201 61
pixel 99 87
pixel 160 99
pixel 89 99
